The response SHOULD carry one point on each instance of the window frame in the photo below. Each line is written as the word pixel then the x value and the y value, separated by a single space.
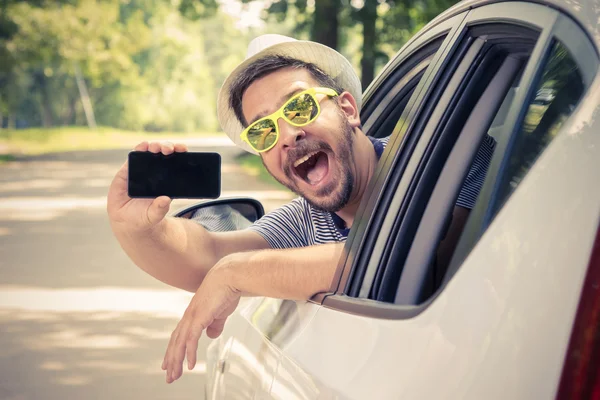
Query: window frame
pixel 365 216
pixel 535 16
pixel 465 52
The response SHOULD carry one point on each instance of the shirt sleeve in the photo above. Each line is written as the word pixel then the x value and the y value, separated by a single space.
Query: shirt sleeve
pixel 476 176
pixel 286 227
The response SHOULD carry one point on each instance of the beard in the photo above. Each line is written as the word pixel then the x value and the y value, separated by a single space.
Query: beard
pixel 336 194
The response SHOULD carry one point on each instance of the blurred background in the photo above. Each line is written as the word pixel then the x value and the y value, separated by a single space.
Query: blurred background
pixel 82 82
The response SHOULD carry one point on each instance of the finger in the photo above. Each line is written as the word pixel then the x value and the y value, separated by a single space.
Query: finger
pixel 167 148
pixel 178 351
pixel 167 359
pixel 216 328
pixel 141 147
pixel 165 363
pixel 181 148
pixel 154 147
pixel 158 209
pixel 192 344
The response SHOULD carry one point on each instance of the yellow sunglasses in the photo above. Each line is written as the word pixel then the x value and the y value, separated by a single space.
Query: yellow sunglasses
pixel 300 110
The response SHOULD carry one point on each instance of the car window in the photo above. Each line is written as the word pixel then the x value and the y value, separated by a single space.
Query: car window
pixel 454 168
pixel 387 100
pixel 555 97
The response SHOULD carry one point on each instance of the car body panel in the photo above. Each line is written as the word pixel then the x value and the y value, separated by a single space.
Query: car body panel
pixel 247 354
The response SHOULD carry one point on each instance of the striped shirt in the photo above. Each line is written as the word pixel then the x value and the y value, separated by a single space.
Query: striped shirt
pixel 298 224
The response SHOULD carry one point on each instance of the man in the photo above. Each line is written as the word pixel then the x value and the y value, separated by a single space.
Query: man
pixel 297 104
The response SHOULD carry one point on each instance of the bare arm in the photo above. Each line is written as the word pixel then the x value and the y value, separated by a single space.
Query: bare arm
pixel 295 274
pixel 174 250
pixel 180 252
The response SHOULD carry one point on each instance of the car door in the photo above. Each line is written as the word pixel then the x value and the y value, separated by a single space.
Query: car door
pixel 393 329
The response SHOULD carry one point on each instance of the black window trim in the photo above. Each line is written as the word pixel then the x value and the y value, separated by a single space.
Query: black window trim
pixel 405 197
pixel 397 156
pixel 365 216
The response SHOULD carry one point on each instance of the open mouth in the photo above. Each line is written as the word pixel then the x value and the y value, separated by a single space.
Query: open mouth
pixel 313 167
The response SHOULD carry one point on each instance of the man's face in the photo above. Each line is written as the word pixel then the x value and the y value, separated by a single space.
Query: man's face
pixel 315 161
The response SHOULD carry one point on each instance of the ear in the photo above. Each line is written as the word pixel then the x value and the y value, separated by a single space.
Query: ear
pixel 347 104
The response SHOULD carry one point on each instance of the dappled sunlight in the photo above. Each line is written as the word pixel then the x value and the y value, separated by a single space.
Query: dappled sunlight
pixel 74 380
pixel 107 365
pixel 53 366
pixel 32 184
pixel 45 208
pixel 73 354
pixel 77 339
pixel 170 303
pixel 97 183
pixel 147 333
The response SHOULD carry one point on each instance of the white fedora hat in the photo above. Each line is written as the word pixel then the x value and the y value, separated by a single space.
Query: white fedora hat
pixel 325 58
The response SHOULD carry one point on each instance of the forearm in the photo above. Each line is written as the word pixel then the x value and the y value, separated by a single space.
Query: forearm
pixel 293 274
pixel 177 252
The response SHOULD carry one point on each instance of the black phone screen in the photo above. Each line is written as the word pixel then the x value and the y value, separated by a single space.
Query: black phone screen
pixel 178 175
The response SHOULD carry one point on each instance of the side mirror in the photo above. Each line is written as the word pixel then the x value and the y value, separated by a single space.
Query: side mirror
pixel 229 214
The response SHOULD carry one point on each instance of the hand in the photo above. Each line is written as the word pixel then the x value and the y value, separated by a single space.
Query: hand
pixel 213 302
pixel 138 214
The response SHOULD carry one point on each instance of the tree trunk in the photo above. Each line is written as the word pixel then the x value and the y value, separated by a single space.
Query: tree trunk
pixel 368 17
pixel 85 98
pixel 46 108
pixel 325 23
pixel 12 121
pixel 40 83
pixel 68 117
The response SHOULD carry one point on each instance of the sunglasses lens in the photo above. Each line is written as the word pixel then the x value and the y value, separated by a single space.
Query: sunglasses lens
pixel 301 110
pixel 262 134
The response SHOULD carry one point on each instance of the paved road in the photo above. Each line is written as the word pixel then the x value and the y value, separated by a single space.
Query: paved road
pixel 77 319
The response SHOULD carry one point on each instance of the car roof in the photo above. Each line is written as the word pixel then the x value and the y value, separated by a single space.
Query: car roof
pixel 585 12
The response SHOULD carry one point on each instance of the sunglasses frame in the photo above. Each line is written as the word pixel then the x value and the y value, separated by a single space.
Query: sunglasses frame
pixel 279 114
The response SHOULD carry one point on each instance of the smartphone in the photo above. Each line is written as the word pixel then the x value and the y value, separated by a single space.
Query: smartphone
pixel 178 175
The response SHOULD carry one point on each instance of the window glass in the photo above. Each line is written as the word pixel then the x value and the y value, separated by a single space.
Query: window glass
pixel 557 94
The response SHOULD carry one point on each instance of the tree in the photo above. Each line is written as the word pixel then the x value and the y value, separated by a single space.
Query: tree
pixel 386 25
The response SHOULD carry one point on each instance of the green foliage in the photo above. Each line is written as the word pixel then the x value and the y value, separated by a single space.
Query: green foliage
pixel 157 65
pixel 369 31
pixel 152 65
pixel 252 165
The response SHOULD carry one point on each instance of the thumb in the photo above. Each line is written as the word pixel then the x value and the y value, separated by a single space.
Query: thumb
pixel 216 328
pixel 158 209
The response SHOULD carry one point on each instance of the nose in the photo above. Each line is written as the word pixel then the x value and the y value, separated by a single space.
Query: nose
pixel 289 135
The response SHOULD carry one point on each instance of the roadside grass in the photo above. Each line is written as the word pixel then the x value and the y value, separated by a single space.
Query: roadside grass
pixel 6 158
pixel 38 140
pixel 253 165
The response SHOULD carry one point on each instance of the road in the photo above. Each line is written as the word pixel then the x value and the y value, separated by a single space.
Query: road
pixel 78 320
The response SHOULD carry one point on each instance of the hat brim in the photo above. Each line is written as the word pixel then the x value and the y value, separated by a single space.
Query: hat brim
pixel 325 58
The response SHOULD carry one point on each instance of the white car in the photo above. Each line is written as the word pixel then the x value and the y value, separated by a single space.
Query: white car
pixel 515 312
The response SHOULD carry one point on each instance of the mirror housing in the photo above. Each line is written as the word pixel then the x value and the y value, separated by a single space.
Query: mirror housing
pixel 221 215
